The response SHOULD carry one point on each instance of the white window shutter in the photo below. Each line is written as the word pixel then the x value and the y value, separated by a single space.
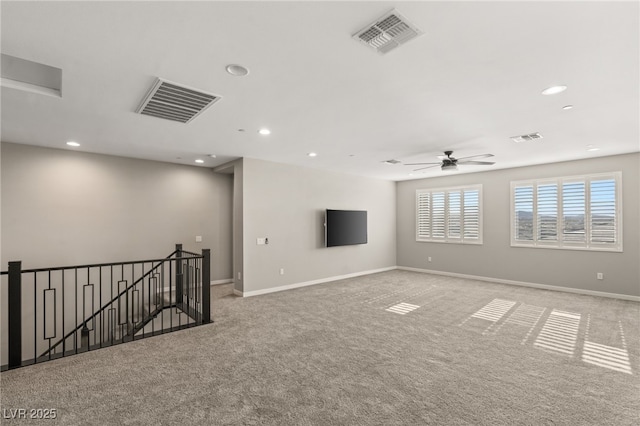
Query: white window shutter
pixel 547 212
pixel 454 211
pixel 523 212
pixel 437 215
pixel 573 211
pixel 424 215
pixel 471 222
pixel 602 218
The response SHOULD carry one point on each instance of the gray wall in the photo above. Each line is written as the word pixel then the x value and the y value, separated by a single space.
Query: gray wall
pixel 497 259
pixel 61 207
pixel 286 204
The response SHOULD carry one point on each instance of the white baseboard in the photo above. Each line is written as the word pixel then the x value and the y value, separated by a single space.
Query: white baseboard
pixel 525 284
pixel 214 282
pixel 308 283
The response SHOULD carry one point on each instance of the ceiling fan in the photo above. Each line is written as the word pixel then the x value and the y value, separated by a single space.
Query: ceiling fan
pixel 449 163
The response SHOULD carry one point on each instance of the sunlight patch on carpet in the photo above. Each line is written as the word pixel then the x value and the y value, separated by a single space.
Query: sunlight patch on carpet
pixel 493 311
pixel 560 332
pixel 611 357
pixel 523 316
pixel 402 308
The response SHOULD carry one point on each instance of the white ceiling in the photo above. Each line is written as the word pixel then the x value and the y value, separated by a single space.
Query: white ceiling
pixel 468 83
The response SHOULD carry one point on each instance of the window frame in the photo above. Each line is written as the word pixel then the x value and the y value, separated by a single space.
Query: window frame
pixel 461 239
pixel 560 242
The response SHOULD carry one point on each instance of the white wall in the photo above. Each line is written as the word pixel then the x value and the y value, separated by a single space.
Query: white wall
pixel 286 204
pixel 497 259
pixel 61 207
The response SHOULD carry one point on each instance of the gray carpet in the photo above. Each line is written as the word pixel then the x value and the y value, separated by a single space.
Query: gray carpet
pixel 395 348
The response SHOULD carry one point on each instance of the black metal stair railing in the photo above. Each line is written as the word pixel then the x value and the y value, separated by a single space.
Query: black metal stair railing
pixel 51 312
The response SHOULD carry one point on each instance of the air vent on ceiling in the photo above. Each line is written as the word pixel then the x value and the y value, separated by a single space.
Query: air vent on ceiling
pixel 526 138
pixel 175 102
pixel 387 32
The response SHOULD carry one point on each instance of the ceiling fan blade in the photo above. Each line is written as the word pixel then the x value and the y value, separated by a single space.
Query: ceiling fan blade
pixel 477 163
pixel 476 156
pixel 418 164
pixel 428 167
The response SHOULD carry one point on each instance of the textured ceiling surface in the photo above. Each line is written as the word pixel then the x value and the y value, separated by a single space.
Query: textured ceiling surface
pixel 468 83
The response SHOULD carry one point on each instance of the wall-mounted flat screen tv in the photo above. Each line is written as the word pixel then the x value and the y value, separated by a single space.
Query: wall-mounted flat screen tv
pixel 345 227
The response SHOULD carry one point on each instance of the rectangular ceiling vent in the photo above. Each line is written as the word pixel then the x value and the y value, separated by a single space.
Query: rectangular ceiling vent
pixel 526 138
pixel 172 101
pixel 387 32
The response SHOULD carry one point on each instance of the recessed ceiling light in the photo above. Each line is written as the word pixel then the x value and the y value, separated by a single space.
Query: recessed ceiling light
pixel 312 154
pixel 392 161
pixel 567 107
pixel 241 130
pixel 592 149
pixel 213 156
pixel 199 161
pixel 554 90
pixel 264 132
pixel 237 70
pixel 72 143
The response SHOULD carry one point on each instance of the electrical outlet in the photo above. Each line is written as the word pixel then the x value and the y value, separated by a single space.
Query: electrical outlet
pixel 281 271
pixel 198 238
pixel 239 276
pixel 600 276
pixel 429 258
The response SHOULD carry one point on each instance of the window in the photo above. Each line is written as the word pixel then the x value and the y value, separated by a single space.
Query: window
pixel 449 215
pixel 579 212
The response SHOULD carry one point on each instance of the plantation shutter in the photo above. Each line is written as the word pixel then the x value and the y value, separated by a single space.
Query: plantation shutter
pixel 573 209
pixel 602 219
pixel 575 212
pixel 523 212
pixel 424 215
pixel 454 220
pixel 471 221
pixel 547 214
pixel 437 215
pixel 449 215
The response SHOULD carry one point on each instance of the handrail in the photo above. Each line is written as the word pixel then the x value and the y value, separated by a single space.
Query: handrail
pixel 99 265
pixel 106 305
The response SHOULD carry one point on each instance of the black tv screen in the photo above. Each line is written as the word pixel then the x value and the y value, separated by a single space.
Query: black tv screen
pixel 345 227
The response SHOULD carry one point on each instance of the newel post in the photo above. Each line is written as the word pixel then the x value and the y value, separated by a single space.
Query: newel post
pixel 179 273
pixel 206 286
pixel 14 309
